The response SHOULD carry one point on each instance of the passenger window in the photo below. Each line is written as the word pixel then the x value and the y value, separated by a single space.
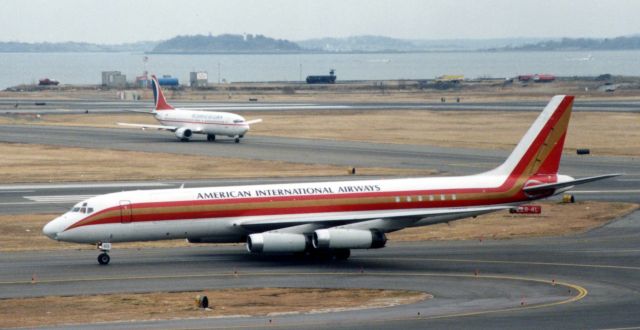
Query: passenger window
pixel 442 197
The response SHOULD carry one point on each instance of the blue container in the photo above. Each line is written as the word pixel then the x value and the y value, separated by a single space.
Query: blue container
pixel 167 81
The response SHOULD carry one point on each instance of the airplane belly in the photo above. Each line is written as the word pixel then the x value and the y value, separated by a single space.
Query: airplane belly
pixel 153 231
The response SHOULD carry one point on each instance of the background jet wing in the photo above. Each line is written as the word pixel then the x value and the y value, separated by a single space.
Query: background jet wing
pixel 138 111
pixel 144 126
pixel 326 220
pixel 255 121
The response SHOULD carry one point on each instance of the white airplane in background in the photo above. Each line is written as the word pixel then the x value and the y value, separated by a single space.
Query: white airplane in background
pixel 327 218
pixel 186 122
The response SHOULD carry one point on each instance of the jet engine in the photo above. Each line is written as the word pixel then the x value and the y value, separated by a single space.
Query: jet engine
pixel 336 238
pixel 276 242
pixel 183 133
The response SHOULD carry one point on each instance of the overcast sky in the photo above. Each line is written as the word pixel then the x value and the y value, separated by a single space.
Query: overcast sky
pixel 117 21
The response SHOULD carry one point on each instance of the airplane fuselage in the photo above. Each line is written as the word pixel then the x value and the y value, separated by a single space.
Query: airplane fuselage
pixel 228 214
pixel 205 122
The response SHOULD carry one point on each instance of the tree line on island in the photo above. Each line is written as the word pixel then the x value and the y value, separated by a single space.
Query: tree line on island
pixel 250 43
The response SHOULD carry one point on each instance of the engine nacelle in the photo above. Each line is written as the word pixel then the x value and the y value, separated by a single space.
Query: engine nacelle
pixel 348 239
pixel 276 243
pixel 183 133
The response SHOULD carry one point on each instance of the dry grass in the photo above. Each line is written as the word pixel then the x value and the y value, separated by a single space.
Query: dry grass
pixel 619 132
pixel 56 310
pixel 24 232
pixel 40 163
pixel 557 219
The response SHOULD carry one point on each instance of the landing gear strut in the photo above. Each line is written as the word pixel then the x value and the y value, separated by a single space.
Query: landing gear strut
pixel 103 258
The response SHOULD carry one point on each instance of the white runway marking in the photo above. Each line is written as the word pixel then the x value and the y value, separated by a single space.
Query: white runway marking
pixel 58 198
pixel 83 185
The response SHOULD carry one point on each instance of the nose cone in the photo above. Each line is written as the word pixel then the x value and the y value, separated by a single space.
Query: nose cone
pixel 52 229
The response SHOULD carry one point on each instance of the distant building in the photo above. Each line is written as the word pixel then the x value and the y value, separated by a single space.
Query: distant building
pixel 114 79
pixel 198 79
pixel 450 78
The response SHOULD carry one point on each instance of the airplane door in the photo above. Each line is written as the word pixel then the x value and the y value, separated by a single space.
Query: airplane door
pixel 125 211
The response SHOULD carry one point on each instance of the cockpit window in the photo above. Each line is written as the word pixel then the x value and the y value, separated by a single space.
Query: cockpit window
pixel 75 209
pixel 90 210
pixel 83 210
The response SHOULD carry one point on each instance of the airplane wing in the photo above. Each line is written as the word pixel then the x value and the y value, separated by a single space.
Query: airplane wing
pixel 267 223
pixel 145 126
pixel 547 186
pixel 255 121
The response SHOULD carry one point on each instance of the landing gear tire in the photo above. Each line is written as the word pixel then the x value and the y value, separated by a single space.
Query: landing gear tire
pixel 184 140
pixel 342 254
pixel 237 140
pixel 211 137
pixel 104 259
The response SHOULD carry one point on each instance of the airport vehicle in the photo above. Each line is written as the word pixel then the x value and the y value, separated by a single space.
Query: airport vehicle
pixel 327 218
pixel 186 122
pixel 323 79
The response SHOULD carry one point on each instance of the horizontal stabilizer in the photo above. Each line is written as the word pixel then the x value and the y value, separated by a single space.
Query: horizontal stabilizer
pixel 576 182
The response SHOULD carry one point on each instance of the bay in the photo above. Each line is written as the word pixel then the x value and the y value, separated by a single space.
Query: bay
pixel 86 68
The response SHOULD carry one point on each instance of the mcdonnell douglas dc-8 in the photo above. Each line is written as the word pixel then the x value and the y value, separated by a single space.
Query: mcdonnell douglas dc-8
pixel 325 218
pixel 186 122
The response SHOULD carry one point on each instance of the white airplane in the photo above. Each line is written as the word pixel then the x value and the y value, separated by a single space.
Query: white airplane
pixel 325 218
pixel 186 122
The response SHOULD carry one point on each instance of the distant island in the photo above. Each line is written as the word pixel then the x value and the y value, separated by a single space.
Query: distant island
pixel 225 43
pixel 260 44
pixel 73 47
pixel 583 44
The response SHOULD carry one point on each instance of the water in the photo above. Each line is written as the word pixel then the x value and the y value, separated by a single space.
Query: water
pixel 86 68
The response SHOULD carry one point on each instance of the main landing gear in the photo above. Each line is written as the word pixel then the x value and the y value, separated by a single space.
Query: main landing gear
pixel 103 258
pixel 333 254
pixel 211 137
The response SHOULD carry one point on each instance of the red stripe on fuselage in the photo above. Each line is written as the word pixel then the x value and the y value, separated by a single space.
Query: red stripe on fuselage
pixel 403 204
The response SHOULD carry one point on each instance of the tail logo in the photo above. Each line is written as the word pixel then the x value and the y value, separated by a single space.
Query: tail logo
pixel 158 97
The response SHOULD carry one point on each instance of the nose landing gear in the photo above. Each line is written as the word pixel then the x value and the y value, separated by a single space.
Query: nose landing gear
pixel 103 258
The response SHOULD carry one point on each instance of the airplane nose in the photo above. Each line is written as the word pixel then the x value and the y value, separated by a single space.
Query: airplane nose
pixel 50 230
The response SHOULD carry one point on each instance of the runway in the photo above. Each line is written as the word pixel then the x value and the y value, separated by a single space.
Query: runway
pixel 596 276
pixel 52 106
pixel 456 161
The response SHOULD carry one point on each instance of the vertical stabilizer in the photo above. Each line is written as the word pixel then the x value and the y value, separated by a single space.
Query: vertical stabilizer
pixel 158 97
pixel 539 151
